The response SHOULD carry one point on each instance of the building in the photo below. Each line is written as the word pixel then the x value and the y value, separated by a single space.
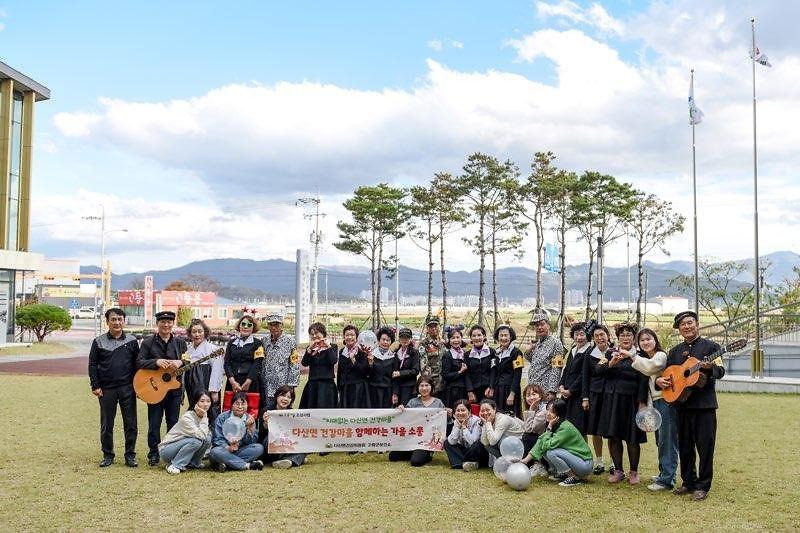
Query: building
pixel 18 96
pixel 59 282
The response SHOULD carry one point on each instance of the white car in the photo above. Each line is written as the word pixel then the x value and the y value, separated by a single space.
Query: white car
pixel 87 311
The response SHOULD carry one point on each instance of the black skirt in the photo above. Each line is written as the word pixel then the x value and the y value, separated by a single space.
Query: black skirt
pixel 453 393
pixel 576 414
pixel 500 395
pixel 196 380
pixel 406 393
pixel 380 397
pixel 593 416
pixel 618 418
pixel 319 394
pixel 355 396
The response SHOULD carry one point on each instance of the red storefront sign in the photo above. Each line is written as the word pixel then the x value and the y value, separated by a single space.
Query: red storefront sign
pixel 188 299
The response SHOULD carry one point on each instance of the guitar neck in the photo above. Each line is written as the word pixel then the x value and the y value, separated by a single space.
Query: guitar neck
pixel 186 368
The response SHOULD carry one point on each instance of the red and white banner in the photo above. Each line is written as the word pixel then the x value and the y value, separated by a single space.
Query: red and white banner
pixel 345 430
pixel 148 298
pixel 188 299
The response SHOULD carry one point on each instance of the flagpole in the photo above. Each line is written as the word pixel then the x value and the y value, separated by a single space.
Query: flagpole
pixel 758 367
pixel 694 196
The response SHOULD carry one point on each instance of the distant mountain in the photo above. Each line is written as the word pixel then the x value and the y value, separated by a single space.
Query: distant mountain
pixel 780 269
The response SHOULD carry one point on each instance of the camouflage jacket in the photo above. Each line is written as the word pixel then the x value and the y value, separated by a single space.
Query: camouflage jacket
pixel 430 352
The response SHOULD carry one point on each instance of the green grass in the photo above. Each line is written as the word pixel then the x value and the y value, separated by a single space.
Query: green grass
pixel 49 451
pixel 37 348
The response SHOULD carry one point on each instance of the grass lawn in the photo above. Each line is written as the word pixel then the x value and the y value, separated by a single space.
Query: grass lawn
pixel 37 348
pixel 49 452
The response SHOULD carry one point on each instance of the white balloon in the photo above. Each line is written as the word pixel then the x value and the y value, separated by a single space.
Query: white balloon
pixel 368 339
pixel 500 467
pixel 648 419
pixel 233 428
pixel 518 476
pixel 512 448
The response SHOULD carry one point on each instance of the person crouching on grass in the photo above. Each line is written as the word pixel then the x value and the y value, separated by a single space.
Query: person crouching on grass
pixel 496 426
pixel 284 398
pixel 564 448
pixel 187 441
pixel 463 444
pixel 239 454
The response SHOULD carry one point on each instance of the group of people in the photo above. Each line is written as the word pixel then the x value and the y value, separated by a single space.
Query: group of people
pixel 594 389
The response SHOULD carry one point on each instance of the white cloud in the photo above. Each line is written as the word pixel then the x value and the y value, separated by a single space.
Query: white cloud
pixel 435 45
pixel 601 112
pixel 596 15
pixel 457 44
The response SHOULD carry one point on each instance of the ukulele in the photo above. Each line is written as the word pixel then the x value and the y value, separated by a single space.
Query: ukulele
pixel 152 385
pixel 687 375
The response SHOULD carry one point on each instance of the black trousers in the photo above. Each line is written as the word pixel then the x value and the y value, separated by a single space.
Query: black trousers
pixel 169 408
pixel 126 398
pixel 697 430
pixel 458 454
pixel 417 457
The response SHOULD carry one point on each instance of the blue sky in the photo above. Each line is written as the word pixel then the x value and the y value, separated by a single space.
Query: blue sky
pixel 336 94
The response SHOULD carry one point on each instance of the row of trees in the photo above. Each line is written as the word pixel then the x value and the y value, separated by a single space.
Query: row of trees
pixel 502 206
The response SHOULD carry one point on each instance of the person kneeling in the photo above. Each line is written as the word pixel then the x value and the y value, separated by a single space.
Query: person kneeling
pixel 563 447
pixel 284 398
pixel 463 445
pixel 423 401
pixel 187 441
pixel 497 426
pixel 237 454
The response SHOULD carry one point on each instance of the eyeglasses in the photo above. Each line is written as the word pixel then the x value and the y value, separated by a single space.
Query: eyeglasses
pixel 246 324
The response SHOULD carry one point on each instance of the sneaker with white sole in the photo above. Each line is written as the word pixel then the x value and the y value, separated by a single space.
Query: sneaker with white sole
pixel 282 463
pixel 558 477
pixel 571 481
pixel 655 487
pixel 469 466
pixel 173 469
pixel 599 467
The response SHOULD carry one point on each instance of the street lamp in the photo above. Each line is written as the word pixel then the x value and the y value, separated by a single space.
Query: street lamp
pixel 103 232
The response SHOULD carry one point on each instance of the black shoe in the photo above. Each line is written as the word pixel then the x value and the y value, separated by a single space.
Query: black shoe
pixel 131 462
pixel 107 461
pixel 220 467
pixel 152 461
pixel 256 465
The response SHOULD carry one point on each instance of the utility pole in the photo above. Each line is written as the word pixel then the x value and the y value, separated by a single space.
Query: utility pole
pixel 316 242
pixel 600 253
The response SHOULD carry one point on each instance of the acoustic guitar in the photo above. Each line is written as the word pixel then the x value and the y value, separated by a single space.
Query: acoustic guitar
pixel 152 385
pixel 687 375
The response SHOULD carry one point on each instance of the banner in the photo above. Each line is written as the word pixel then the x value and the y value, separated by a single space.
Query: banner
pixel 147 299
pixel 345 430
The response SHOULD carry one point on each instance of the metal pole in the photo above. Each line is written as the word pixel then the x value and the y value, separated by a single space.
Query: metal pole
pixel 694 199
pixel 314 283
pixel 600 278
pixel 102 258
pixel 758 368
pixel 396 287
pixel 628 252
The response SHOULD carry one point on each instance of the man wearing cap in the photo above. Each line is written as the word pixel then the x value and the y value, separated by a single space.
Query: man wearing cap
pixel 430 354
pixel 697 416
pixel 162 350
pixel 546 356
pixel 281 360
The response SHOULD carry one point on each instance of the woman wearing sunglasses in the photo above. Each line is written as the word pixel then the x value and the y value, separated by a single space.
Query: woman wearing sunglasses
pixel 244 357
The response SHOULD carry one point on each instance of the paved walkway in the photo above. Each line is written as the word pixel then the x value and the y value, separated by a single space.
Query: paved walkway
pixel 48 365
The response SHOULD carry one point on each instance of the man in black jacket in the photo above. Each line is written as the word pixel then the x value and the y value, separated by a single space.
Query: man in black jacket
pixel 697 416
pixel 112 363
pixel 162 350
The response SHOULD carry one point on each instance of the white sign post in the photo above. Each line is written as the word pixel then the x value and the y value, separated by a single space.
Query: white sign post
pixel 302 298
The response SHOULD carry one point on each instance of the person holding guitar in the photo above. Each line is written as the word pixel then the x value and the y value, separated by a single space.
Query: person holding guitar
pixel 162 351
pixel 697 415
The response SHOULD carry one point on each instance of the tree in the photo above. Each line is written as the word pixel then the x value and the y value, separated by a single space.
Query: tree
pixel 653 221
pixel 202 283
pixel 178 285
pixel 137 284
pixel 482 185
pixel 532 193
pixel 450 215
pixel 43 319
pixel 184 316
pixel 601 210
pixel 378 213
pixel 423 208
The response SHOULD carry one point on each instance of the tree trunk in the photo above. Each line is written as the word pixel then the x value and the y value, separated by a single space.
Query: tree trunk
pixel 481 280
pixel 373 284
pixel 380 275
pixel 640 284
pixel 539 224
pixel 494 276
pixel 430 267
pixel 444 276
pixel 562 255
pixel 589 283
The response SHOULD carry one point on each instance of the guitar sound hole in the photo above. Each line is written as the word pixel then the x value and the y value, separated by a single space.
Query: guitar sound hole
pixel 166 377
pixel 685 374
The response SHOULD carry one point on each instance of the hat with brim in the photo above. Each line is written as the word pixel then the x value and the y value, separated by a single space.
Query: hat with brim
pixel 432 321
pixel 680 316
pixel 165 315
pixel 539 317
pixel 405 333
pixel 274 318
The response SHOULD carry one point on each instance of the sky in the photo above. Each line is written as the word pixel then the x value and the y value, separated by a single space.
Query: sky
pixel 197 125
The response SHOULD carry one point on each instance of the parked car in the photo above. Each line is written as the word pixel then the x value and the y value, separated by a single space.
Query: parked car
pixel 87 311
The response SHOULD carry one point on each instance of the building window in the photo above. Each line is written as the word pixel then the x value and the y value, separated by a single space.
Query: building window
pixel 222 312
pixel 13 177
pixel 196 312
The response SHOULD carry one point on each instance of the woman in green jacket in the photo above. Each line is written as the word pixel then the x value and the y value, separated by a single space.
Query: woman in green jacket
pixel 563 447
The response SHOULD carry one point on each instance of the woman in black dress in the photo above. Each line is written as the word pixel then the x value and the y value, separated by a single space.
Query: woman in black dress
pixel 626 391
pixel 406 369
pixel 593 386
pixel 570 386
pixel 455 373
pixel 244 357
pixel 320 357
pixel 381 366
pixel 482 362
pixel 508 375
pixel 352 372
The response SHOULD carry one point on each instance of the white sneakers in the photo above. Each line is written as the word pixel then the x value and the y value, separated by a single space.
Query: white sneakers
pixel 282 463
pixel 469 466
pixel 173 469
pixel 655 487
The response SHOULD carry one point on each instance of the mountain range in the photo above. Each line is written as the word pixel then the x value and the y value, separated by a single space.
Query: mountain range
pixel 247 278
